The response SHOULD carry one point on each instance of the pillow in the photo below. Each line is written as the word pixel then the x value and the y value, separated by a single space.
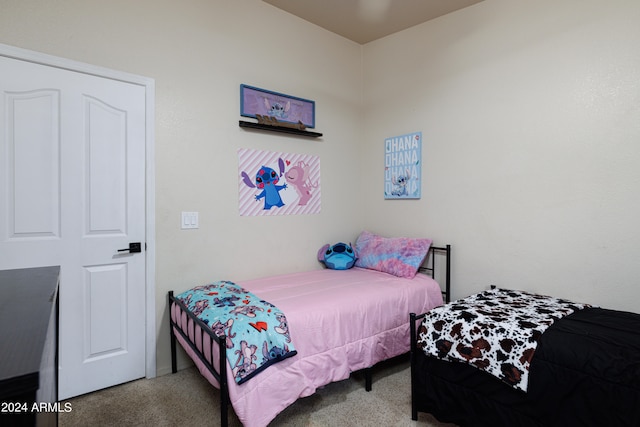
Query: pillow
pixel 337 257
pixel 400 256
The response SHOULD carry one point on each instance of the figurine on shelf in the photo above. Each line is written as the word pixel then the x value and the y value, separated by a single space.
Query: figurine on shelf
pixel 273 121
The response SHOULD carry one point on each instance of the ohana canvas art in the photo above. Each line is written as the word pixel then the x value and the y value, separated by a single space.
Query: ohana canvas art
pixel 402 166
pixel 272 183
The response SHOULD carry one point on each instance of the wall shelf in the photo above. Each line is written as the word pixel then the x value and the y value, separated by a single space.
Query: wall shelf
pixel 292 131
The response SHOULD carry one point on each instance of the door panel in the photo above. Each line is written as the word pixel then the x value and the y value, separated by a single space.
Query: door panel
pixel 106 168
pixel 74 151
pixel 33 171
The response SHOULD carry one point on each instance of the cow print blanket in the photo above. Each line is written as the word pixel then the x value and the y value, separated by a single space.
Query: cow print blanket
pixel 496 331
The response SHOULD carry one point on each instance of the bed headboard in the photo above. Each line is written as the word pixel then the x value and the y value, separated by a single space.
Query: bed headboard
pixel 435 256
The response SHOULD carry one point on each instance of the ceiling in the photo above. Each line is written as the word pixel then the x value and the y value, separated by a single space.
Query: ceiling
pixel 366 20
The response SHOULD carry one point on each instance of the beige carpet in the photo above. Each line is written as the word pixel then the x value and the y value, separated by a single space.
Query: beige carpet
pixel 186 398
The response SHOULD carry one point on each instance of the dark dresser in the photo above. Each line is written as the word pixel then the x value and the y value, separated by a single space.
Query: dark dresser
pixel 29 346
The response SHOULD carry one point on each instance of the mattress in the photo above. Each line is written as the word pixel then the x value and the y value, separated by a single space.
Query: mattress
pixel 340 321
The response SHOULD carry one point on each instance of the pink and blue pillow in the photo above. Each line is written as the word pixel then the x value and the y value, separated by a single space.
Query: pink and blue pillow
pixel 400 256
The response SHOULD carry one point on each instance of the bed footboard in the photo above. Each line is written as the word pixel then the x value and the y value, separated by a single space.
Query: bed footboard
pixel 184 322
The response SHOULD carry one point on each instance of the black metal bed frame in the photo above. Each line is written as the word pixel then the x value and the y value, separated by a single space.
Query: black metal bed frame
pixel 430 267
pixel 413 318
pixel 220 374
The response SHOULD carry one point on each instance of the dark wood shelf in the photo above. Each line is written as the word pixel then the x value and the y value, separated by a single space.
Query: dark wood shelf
pixel 291 131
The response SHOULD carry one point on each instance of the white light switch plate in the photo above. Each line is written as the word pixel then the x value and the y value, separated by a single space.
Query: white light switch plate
pixel 189 220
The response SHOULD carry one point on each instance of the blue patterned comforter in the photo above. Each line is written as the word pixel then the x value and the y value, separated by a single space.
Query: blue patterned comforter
pixel 257 334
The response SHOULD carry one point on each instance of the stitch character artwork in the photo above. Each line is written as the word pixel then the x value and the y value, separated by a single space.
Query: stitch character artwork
pixel 200 306
pixel 220 329
pixel 275 183
pixel 267 180
pixel 246 356
pixel 403 166
pixel 298 177
pixel 247 310
pixel 226 301
pixel 275 352
pixel 236 290
pixel 208 287
pixel 277 109
pixel 263 302
pixel 283 327
pixel 400 184
pixel 187 299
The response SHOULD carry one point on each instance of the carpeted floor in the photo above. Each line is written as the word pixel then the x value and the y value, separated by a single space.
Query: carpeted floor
pixel 186 398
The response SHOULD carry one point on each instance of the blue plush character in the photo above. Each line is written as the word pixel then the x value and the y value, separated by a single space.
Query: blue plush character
pixel 267 180
pixel 337 257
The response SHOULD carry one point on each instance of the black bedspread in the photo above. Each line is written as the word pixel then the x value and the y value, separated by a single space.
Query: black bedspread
pixel 585 372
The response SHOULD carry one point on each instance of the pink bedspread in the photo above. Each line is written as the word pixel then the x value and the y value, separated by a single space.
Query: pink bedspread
pixel 340 322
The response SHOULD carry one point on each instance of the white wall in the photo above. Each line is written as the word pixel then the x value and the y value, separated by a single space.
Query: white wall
pixel 199 52
pixel 531 129
pixel 529 112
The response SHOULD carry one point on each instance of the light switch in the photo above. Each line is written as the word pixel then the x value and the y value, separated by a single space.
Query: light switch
pixel 189 220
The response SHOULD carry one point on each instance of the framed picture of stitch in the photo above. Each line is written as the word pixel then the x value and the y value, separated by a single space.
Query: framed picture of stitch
pixel 285 108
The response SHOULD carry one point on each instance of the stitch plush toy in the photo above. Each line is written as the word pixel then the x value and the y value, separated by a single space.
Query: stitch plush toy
pixel 337 257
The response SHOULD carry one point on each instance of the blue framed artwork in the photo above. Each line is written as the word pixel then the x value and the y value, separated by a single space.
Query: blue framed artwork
pixel 256 102
pixel 402 166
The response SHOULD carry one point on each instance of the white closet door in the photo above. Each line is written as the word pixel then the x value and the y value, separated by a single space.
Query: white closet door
pixel 72 191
